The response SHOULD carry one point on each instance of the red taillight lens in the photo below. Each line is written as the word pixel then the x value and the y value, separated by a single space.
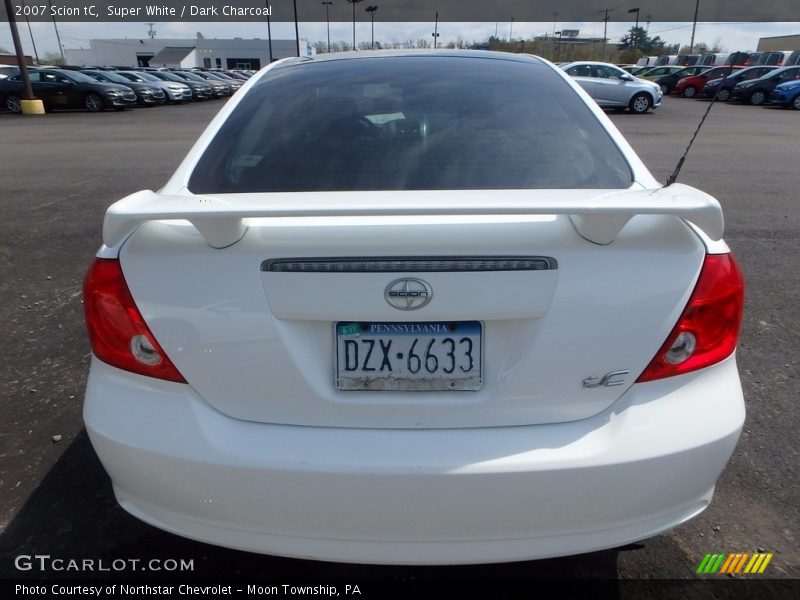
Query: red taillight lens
pixel 117 331
pixel 708 329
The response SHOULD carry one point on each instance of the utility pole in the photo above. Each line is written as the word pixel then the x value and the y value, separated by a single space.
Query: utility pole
pixel 511 30
pixel 605 28
pixel 327 6
pixel 435 33
pixel 151 33
pixel 694 25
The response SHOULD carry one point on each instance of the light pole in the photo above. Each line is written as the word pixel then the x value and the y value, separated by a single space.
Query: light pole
pixel 371 10
pixel 327 6
pixel 435 33
pixel 30 32
pixel 630 11
pixel 635 10
pixel 58 37
pixel 555 20
pixel 296 31
pixel 269 32
pixel 558 47
pixel 29 105
pixel 354 2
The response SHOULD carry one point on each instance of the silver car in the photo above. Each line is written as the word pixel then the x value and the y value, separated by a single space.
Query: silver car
pixel 176 92
pixel 612 87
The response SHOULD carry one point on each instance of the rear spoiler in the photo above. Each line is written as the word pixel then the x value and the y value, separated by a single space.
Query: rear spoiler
pixel 599 219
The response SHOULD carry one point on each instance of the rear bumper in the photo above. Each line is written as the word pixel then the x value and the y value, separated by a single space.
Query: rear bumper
pixel 442 496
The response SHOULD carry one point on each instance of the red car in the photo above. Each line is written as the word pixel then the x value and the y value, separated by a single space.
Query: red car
pixel 689 86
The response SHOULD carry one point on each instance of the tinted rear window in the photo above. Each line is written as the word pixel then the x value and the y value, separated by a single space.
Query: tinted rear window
pixel 410 123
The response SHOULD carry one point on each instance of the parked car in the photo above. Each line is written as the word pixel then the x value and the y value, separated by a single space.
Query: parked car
pixel 389 376
pixel 725 85
pixel 611 87
pixel 635 71
pixel 657 73
pixel 176 92
pixel 235 75
pixel 753 58
pixel 667 82
pixel 66 89
pixel 219 88
pixel 8 71
pixel 793 59
pixel 200 90
pixel 688 87
pixel 682 60
pixel 757 91
pixel 713 59
pixel 647 61
pixel 146 94
pixel 234 84
pixel 773 58
pixel 786 94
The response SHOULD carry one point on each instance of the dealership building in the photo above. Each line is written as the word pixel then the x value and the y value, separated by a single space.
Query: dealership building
pixel 237 53
pixel 778 43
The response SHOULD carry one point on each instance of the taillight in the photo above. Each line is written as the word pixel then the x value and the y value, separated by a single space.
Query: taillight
pixel 117 331
pixel 708 329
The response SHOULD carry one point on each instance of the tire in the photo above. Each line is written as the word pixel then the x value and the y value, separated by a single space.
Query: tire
pixel 93 102
pixel 757 98
pixel 665 89
pixel 640 103
pixel 14 103
pixel 796 102
pixel 689 91
pixel 724 95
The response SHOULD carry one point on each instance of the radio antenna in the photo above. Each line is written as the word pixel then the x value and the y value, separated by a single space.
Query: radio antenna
pixel 682 160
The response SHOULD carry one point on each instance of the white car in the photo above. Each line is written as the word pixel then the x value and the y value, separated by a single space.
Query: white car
pixel 414 308
pixel 612 87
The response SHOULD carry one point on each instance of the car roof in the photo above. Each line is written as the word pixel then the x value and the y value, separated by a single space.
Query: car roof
pixel 592 62
pixel 376 54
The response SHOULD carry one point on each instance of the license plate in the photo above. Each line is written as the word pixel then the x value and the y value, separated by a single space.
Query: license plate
pixel 425 356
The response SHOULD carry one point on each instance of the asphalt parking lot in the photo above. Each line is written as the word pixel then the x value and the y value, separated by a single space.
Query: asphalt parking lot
pixel 59 173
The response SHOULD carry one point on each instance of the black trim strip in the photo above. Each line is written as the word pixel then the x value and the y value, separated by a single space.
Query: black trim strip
pixel 409 264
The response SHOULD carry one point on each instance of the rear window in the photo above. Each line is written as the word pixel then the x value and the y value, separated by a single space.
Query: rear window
pixel 410 123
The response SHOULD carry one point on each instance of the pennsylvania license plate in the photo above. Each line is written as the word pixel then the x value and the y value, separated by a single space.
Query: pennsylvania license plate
pixel 425 356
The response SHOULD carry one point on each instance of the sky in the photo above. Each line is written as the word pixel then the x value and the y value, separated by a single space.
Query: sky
pixel 734 36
